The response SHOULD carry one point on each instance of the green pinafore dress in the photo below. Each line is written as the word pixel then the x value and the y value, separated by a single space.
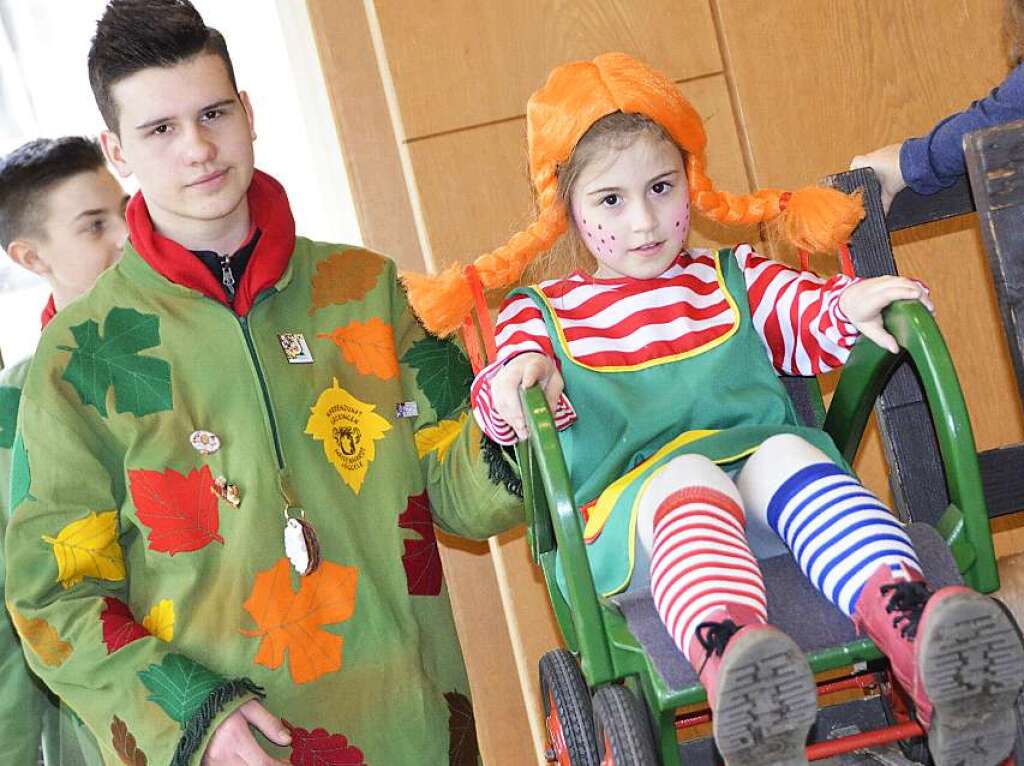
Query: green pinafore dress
pixel 720 400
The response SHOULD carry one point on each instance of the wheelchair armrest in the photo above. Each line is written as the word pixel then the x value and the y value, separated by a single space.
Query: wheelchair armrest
pixel 865 374
pixel 545 453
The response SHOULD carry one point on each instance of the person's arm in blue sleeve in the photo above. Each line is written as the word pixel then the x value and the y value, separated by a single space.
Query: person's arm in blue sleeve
pixel 935 161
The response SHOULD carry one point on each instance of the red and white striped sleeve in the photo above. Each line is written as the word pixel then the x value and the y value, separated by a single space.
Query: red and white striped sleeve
pixel 797 314
pixel 520 329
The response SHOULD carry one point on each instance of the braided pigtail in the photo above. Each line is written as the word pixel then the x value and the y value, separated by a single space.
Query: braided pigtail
pixel 444 300
pixel 815 218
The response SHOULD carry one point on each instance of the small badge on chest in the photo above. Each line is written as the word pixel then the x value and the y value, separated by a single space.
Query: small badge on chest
pixel 296 351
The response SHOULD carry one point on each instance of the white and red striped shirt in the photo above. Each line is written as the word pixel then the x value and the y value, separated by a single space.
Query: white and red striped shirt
pixel 627 323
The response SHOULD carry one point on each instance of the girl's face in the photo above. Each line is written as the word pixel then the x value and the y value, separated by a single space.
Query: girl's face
pixel 631 208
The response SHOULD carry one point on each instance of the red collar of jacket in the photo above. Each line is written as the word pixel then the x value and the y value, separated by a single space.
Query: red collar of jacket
pixel 270 213
pixel 49 312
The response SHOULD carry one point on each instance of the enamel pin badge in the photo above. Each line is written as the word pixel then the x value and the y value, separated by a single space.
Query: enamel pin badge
pixel 296 351
pixel 204 442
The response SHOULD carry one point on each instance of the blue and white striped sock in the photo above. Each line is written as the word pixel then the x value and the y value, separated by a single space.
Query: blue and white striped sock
pixel 838 531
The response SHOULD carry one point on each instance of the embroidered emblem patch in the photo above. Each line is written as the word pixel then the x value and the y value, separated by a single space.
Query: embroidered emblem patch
pixel 348 429
pixel 295 349
pixel 407 410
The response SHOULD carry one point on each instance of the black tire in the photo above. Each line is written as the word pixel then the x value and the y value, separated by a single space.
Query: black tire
pixel 565 695
pixel 623 731
pixel 914 750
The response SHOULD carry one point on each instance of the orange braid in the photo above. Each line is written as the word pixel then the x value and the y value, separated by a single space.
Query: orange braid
pixel 814 218
pixel 444 300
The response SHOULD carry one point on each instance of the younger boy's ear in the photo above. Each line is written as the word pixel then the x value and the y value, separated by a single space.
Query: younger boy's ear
pixel 112 150
pixel 24 253
pixel 247 105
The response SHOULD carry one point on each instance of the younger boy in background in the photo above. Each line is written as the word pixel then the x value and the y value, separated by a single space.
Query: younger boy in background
pixel 62 218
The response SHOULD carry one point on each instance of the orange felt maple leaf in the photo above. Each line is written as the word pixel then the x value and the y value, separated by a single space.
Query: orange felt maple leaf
pixel 293 621
pixel 369 345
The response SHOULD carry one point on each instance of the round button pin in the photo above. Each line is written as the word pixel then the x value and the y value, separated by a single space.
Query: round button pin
pixel 205 442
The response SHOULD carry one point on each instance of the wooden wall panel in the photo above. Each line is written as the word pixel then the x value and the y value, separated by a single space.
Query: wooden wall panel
pixel 475 192
pixel 365 129
pixel 459 63
pixel 499 706
pixel 837 78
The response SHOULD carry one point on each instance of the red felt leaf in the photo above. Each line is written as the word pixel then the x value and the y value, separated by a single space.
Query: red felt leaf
pixel 321 748
pixel 119 626
pixel 421 559
pixel 463 749
pixel 180 511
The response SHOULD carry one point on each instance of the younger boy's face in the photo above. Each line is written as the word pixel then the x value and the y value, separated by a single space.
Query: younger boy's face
pixel 187 137
pixel 82 233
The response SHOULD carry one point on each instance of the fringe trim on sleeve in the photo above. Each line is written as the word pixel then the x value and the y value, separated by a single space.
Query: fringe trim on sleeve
pixel 501 466
pixel 195 729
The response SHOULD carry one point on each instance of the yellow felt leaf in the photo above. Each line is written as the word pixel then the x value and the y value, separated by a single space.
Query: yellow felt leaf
pixel 42 637
pixel 348 429
pixel 88 548
pixel 160 620
pixel 439 437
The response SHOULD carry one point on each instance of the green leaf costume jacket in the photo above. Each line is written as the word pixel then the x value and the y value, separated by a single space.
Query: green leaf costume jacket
pixel 154 606
pixel 26 711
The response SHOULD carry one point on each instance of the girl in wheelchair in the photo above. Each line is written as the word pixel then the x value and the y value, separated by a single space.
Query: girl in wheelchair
pixel 661 364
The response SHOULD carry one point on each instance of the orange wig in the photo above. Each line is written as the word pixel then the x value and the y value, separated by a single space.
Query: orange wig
pixel 575 97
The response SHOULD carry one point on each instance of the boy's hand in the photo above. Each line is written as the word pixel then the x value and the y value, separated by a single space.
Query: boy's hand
pixel 522 372
pixel 863 301
pixel 886 162
pixel 233 744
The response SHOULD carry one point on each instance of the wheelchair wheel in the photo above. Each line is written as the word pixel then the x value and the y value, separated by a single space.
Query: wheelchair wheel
pixel 568 714
pixel 623 732
pixel 898 709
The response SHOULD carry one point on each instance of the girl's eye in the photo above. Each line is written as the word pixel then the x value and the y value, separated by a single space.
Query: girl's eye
pixel 661 187
pixel 213 114
pixel 161 130
pixel 610 200
pixel 97 227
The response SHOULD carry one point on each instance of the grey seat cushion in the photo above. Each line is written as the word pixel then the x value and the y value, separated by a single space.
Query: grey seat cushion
pixel 794 606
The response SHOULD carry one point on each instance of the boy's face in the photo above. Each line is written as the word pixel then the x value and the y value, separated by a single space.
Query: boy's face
pixel 187 137
pixel 81 234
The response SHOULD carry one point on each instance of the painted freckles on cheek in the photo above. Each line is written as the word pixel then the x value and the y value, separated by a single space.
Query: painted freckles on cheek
pixel 684 219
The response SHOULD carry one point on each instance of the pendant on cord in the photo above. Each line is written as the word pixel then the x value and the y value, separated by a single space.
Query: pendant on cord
pixel 300 543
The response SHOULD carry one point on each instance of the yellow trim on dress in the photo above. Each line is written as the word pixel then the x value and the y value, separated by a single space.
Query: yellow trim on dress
pixel 606 502
pixel 661 360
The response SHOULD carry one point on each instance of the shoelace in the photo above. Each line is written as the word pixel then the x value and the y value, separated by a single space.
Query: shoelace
pixel 713 638
pixel 909 600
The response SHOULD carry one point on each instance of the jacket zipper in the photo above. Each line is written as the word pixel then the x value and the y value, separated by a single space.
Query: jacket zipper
pixel 247 334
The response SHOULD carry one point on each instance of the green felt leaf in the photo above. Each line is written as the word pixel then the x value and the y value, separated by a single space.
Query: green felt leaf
pixel 20 476
pixel 10 397
pixel 142 384
pixel 179 686
pixel 443 372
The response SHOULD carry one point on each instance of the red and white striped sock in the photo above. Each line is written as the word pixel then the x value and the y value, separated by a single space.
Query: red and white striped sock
pixel 701 564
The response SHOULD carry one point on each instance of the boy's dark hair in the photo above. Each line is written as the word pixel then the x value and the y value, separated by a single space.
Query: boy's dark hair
pixel 30 171
pixel 134 35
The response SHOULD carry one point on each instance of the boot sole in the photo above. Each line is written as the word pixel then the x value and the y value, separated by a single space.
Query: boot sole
pixel 972 665
pixel 767 702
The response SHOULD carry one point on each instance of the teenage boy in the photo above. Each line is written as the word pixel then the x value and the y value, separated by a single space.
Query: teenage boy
pixel 230 455
pixel 62 218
